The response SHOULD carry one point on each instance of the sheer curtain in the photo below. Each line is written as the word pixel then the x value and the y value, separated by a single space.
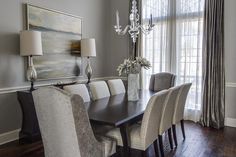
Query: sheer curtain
pixel 156 45
pixel 175 45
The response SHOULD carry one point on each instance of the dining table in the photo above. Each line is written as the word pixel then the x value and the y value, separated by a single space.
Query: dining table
pixel 118 111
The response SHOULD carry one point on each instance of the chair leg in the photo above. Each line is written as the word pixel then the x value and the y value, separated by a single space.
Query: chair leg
pixel 156 148
pixel 161 145
pixel 170 138
pixel 182 127
pixel 129 151
pixel 120 151
pixel 174 134
pixel 144 153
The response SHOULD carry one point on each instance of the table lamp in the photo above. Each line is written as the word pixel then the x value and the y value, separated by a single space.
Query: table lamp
pixel 88 49
pixel 31 45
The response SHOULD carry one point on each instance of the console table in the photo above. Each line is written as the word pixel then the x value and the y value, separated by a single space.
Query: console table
pixel 30 128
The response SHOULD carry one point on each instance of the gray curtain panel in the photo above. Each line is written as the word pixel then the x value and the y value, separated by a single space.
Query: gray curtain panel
pixel 213 111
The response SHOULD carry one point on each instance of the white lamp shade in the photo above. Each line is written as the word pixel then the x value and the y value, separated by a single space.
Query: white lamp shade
pixel 88 48
pixel 30 43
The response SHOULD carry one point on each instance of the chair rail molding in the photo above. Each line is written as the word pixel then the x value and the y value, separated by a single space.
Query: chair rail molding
pixel 8 90
pixel 230 84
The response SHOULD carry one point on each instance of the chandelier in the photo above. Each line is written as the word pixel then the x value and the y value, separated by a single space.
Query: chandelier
pixel 135 27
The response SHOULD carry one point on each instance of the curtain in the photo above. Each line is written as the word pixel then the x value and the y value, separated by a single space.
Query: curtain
pixel 175 45
pixel 214 75
pixel 157 45
pixel 189 35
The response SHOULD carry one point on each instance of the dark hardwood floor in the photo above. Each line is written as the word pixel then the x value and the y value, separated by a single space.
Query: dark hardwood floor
pixel 200 142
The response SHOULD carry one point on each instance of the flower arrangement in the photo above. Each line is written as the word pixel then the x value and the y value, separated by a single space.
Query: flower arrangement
pixel 130 66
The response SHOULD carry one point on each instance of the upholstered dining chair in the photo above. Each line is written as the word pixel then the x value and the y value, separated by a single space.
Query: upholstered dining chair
pixel 79 89
pixel 167 116
pixel 144 135
pixel 179 110
pixel 65 127
pixel 116 86
pixel 99 89
pixel 161 81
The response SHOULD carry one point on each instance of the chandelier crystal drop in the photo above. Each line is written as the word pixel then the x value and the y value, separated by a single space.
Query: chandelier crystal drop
pixel 135 27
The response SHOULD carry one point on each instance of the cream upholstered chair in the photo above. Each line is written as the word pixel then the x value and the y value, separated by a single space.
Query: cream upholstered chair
pixel 79 89
pixel 167 116
pixel 161 81
pixel 65 127
pixel 116 86
pixel 142 136
pixel 99 89
pixel 179 110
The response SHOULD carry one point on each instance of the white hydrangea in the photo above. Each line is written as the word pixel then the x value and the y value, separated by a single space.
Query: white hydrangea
pixel 130 66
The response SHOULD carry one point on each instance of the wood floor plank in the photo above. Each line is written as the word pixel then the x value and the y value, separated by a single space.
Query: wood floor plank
pixel 199 142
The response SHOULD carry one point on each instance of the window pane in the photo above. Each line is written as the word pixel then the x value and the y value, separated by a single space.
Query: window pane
pixel 189 57
pixel 158 9
pixel 189 6
pixel 155 50
pixel 178 33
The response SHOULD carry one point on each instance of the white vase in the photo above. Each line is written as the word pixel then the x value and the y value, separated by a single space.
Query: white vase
pixel 133 87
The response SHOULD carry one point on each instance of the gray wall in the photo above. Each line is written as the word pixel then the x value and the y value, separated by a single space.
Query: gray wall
pixel 118 46
pixel 230 57
pixel 95 15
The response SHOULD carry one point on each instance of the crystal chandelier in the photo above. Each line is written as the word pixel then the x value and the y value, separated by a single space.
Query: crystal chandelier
pixel 134 27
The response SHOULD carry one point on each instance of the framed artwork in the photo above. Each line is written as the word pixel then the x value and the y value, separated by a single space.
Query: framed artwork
pixel 61 35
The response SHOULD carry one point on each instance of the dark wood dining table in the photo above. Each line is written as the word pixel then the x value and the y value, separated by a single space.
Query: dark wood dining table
pixel 117 111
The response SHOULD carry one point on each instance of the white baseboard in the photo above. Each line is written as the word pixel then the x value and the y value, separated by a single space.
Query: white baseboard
pixel 9 136
pixel 231 122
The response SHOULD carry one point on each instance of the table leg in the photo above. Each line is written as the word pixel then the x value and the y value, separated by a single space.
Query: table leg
pixel 124 135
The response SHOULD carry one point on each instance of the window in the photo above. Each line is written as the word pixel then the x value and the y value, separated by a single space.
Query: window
pixel 175 44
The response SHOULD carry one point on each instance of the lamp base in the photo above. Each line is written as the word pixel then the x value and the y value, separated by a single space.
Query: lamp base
pixel 89 77
pixel 32 86
pixel 88 70
pixel 31 73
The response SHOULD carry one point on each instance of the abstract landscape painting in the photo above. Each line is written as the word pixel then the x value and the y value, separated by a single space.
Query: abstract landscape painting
pixel 61 35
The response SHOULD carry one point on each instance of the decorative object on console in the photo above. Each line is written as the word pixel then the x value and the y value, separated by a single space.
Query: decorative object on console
pixel 134 27
pixel 31 45
pixel 88 49
pixel 61 35
pixel 132 68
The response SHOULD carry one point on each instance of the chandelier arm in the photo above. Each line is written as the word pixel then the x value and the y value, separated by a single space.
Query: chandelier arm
pixel 144 30
pixel 124 31
pixel 135 27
